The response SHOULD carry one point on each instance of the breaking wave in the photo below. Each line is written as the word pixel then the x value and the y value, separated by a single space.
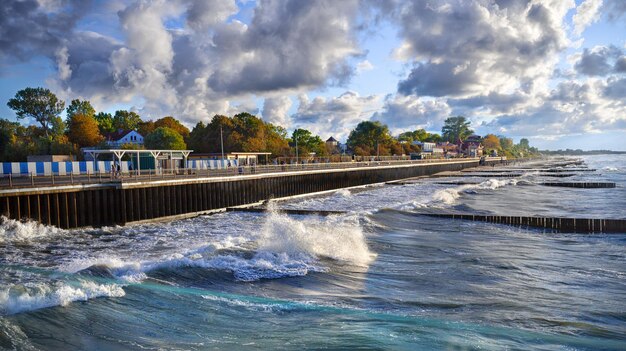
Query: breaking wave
pixel 17 231
pixel 449 196
pixel 282 246
pixel 28 297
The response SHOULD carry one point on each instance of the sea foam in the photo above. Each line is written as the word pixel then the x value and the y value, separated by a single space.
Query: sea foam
pixel 28 297
pixel 24 232
pixel 449 196
pixel 281 246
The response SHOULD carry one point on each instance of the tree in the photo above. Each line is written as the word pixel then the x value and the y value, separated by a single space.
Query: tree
pixel 145 128
pixel 456 128
pixel 172 123
pixel 126 120
pixel 506 143
pixel 82 107
pixel 38 103
pixel 105 122
pixel 165 139
pixel 83 130
pixel 524 144
pixel 370 138
pixel 307 143
pixel 491 142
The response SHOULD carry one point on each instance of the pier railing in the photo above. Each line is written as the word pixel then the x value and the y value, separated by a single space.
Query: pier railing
pixel 8 181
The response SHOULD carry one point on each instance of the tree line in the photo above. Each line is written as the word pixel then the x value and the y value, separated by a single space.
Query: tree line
pixel 85 127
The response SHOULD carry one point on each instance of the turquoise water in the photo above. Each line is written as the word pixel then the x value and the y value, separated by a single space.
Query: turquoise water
pixel 379 277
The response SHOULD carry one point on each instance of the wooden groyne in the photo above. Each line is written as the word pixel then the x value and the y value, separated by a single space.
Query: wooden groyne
pixel 568 225
pixel 285 211
pixel 582 185
pixel 96 205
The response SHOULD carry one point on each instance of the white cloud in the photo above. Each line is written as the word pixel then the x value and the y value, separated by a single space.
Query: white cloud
pixel 364 65
pixel 586 13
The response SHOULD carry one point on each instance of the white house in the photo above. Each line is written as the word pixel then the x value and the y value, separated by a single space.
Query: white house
pixel 121 137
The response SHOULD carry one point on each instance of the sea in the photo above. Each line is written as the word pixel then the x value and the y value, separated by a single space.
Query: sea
pixel 381 276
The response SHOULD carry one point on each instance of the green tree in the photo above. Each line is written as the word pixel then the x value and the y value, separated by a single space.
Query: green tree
pixel 82 107
pixel 524 144
pixel 456 128
pixel 370 138
pixel 506 143
pixel 38 103
pixel 105 122
pixel 307 143
pixel 164 138
pixel 126 120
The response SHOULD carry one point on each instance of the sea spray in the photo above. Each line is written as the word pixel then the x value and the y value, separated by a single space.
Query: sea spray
pixel 23 232
pixel 280 246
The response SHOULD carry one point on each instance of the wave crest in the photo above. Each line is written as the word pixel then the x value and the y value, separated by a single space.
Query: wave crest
pixel 23 232
pixel 28 297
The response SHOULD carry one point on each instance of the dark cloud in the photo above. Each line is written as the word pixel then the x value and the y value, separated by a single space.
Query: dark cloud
pixel 616 89
pixel 28 29
pixel 601 61
pixel 433 79
pixel 494 102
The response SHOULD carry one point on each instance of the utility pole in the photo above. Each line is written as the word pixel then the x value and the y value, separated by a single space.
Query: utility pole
pixel 295 137
pixel 377 150
pixel 222 140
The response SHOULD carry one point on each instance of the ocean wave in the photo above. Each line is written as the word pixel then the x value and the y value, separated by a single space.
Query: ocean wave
pixel 449 196
pixel 28 297
pixel 343 192
pixel 610 169
pixel 27 231
pixel 281 247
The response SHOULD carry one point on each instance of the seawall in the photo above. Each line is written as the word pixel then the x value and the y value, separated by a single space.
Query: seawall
pixel 96 205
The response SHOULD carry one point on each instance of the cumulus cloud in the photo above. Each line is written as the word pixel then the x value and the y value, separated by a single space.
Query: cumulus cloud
pixel 463 48
pixel 600 61
pixel 402 112
pixel 276 110
pixel 337 115
pixel 289 44
pixel 586 13
pixel 28 29
pixel 571 108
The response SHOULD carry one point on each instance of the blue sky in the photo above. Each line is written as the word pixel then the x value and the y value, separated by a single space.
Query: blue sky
pixel 550 71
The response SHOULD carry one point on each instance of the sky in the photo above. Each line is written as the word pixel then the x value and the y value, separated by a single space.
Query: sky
pixel 552 71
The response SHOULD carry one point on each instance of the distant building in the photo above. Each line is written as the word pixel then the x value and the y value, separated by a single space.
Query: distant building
pixel 332 142
pixel 333 146
pixel 121 137
pixel 449 149
pixel 472 146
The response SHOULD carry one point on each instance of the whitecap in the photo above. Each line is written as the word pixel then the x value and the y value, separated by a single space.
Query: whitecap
pixel 28 297
pixel 17 231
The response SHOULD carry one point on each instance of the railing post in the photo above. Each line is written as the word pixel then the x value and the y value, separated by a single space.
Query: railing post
pixel 72 178
pixel 32 179
pixel 52 175
pixel 10 180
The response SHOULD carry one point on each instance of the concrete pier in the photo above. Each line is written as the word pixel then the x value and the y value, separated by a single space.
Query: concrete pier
pixel 95 205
